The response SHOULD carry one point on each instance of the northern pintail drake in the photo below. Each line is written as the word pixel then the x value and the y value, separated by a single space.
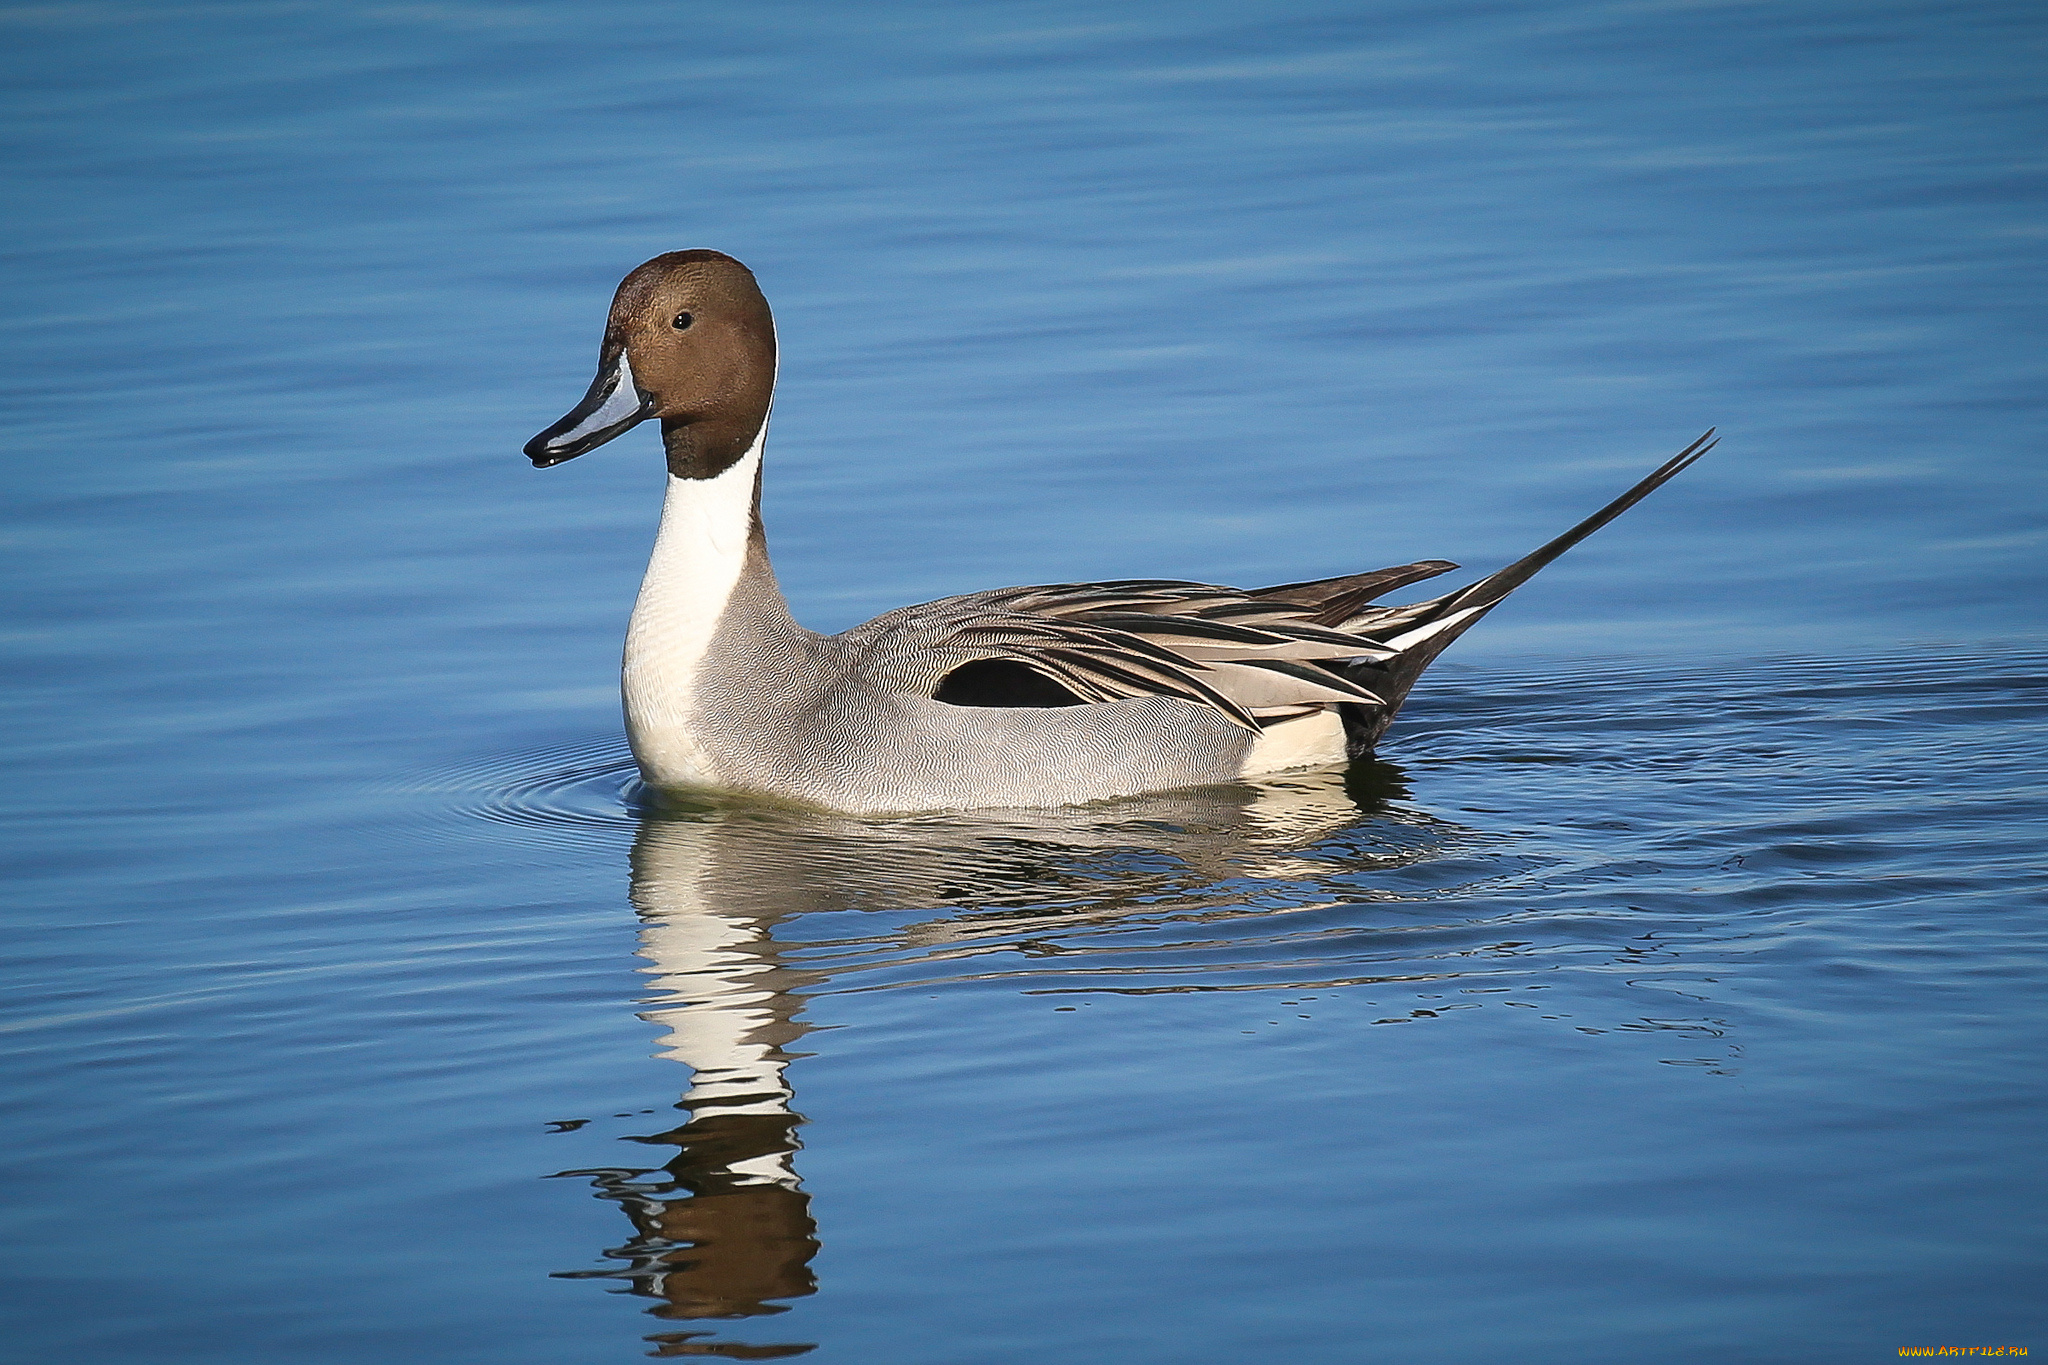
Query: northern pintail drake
pixel 1037 696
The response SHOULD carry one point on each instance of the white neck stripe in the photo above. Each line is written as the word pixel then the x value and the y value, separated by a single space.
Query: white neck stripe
pixel 699 554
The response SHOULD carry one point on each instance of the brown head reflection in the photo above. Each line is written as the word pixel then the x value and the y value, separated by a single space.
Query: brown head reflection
pixel 714 1239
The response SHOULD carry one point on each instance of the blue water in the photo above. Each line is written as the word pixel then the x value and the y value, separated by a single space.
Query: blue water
pixel 1671 990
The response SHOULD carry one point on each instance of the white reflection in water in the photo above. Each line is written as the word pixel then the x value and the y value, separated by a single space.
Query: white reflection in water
pixel 723 1230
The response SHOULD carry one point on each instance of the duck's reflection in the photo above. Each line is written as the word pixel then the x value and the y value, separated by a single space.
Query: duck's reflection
pixel 723 1229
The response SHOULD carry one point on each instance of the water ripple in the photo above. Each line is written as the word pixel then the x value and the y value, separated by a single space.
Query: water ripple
pixel 1474 861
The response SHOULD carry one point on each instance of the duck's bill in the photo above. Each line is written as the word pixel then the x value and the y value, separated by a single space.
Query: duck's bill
pixel 614 404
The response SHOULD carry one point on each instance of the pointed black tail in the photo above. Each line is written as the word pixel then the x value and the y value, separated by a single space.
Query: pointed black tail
pixel 1427 628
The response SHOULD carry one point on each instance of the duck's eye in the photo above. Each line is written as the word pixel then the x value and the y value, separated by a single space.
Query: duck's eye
pixel 682 322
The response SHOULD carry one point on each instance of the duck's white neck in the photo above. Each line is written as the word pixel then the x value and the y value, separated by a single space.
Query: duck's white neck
pixel 706 545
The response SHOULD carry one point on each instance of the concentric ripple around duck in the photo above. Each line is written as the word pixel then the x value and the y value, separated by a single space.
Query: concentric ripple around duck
pixel 1575 820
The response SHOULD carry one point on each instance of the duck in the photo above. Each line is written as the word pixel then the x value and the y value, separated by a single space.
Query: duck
pixel 1025 697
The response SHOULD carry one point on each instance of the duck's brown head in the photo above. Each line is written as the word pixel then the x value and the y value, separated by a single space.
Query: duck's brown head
pixel 691 341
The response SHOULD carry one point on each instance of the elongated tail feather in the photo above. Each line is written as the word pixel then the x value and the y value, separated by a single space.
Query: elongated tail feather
pixel 1423 630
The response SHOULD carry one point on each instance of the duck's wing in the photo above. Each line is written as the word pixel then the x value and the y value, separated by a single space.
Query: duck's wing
pixel 1255 654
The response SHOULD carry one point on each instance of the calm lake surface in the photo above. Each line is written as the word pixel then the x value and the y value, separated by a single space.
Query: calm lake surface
pixel 1672 990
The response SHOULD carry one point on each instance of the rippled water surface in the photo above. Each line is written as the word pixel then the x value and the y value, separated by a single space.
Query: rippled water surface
pixel 1671 989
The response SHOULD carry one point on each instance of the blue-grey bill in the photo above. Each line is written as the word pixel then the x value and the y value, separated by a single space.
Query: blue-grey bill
pixel 613 405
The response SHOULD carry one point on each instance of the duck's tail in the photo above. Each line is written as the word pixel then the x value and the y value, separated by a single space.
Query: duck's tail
pixel 1423 630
